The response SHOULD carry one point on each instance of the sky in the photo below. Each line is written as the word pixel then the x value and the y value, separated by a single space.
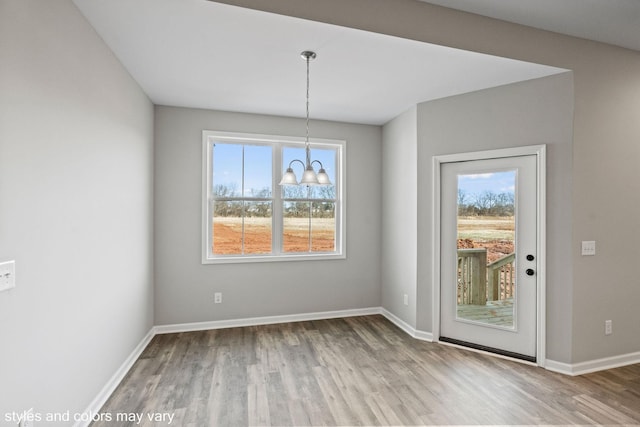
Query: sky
pixel 496 182
pixel 228 169
pixel 227 165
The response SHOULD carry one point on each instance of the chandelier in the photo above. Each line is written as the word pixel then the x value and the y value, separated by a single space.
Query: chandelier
pixel 309 177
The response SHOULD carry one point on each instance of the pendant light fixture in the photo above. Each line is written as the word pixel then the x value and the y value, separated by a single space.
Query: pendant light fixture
pixel 309 177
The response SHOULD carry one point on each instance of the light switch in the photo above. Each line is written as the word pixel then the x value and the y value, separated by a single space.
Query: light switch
pixel 588 248
pixel 7 275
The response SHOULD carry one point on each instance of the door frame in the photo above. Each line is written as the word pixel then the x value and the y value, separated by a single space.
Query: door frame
pixel 540 152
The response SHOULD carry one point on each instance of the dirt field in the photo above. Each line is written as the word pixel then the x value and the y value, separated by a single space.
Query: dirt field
pixel 497 234
pixel 494 233
pixel 227 236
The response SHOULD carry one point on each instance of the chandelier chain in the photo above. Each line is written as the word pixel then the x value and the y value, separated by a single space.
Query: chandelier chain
pixel 309 176
pixel 307 147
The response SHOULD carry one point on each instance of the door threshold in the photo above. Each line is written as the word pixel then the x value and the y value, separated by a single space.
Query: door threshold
pixel 516 357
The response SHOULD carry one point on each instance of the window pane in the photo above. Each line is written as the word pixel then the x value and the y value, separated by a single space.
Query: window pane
pixel 295 233
pixel 323 227
pixel 323 192
pixel 257 171
pixel 227 170
pixel 327 157
pixel 293 191
pixel 257 228
pixel 227 228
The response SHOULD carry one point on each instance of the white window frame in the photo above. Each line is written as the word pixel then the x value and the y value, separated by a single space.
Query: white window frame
pixel 277 142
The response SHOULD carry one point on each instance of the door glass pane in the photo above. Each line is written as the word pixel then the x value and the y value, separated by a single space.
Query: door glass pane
pixel 486 248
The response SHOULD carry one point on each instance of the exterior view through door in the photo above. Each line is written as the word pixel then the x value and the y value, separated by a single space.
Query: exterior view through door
pixel 489 254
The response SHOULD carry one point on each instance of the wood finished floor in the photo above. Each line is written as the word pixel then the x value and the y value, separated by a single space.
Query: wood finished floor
pixel 356 371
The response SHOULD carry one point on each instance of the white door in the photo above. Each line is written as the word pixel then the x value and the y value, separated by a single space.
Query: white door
pixel 488 254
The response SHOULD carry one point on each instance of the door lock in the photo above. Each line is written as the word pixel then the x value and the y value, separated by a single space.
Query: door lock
pixel 530 257
pixel 530 272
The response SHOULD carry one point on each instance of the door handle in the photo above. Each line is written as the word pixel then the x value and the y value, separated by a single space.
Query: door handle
pixel 530 272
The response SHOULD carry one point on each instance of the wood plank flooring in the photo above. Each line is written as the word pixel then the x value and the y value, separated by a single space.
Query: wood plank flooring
pixel 355 371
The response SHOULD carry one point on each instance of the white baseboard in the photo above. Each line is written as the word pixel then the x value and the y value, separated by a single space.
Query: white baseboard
pixel 559 367
pixel 415 333
pixel 267 320
pixel 592 365
pixel 106 392
pixel 424 336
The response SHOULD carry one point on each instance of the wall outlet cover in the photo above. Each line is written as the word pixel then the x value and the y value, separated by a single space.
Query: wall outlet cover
pixel 588 247
pixel 7 275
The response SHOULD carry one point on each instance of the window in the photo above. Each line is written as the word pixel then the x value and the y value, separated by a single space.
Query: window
pixel 248 216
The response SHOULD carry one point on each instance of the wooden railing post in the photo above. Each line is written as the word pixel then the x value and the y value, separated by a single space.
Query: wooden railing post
pixel 472 276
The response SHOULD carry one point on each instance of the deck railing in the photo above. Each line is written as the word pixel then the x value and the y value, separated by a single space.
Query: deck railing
pixel 472 276
pixel 501 278
pixel 479 282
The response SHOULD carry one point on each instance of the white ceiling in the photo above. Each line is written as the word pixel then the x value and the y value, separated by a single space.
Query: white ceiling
pixel 615 22
pixel 202 54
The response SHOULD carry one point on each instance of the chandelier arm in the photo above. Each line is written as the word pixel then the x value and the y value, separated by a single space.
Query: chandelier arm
pixel 296 160
pixel 318 161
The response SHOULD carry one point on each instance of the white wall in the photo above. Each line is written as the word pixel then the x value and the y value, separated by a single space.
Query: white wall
pixel 75 209
pixel 605 151
pixel 185 287
pixel 606 205
pixel 400 215
pixel 528 113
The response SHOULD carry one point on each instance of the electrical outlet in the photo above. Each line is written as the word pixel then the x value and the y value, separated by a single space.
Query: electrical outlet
pixel 406 299
pixel 7 275
pixel 217 297
pixel 608 327
pixel 588 248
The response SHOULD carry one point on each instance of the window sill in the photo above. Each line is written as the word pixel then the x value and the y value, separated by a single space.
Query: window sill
pixel 272 258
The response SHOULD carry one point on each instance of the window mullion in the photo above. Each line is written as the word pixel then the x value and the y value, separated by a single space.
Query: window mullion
pixel 211 202
pixel 243 202
pixel 310 214
pixel 276 200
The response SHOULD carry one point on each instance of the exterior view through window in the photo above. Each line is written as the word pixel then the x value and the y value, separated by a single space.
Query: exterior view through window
pixel 486 241
pixel 242 199
pixel 249 216
pixel 309 220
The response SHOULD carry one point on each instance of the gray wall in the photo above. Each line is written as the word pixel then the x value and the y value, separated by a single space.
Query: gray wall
pixel 605 149
pixel 75 209
pixel 185 287
pixel 400 215
pixel 528 113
